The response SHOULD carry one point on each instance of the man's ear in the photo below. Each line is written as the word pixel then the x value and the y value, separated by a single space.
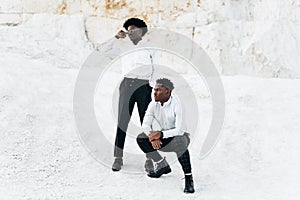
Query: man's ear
pixel 168 92
pixel 140 32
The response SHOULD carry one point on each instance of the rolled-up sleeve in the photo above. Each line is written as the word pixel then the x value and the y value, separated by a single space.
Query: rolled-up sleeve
pixel 109 48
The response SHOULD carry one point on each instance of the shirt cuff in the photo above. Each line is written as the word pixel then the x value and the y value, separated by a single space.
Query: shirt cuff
pixel 161 135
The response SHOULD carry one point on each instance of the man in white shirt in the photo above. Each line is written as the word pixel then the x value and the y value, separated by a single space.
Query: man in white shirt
pixel 168 112
pixel 137 69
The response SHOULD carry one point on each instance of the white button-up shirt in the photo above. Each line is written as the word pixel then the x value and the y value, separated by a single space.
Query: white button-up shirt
pixel 138 61
pixel 170 117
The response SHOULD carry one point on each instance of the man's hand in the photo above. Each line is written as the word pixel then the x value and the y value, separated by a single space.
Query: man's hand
pixel 154 135
pixel 121 34
pixel 156 144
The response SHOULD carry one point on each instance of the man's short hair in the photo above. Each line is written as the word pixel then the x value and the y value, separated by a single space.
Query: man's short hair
pixel 136 22
pixel 166 83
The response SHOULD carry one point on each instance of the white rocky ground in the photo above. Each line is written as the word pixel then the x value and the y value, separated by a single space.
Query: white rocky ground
pixel 41 156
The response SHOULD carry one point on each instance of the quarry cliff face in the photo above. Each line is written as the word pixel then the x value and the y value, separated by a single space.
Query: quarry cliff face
pixel 253 37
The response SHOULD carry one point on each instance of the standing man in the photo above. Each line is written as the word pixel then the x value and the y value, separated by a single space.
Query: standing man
pixel 172 136
pixel 137 69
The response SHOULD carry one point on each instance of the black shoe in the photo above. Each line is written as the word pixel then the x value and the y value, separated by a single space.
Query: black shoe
pixel 149 167
pixel 189 184
pixel 161 168
pixel 118 163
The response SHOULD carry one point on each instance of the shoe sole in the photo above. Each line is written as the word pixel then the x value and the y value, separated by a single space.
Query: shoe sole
pixel 188 192
pixel 115 170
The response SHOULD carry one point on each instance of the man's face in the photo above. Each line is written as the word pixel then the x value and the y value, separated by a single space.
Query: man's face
pixel 161 93
pixel 134 33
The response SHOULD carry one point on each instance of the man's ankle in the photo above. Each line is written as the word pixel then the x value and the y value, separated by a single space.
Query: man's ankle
pixel 159 161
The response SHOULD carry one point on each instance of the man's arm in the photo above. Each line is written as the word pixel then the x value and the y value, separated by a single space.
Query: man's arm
pixel 147 127
pixel 111 47
pixel 154 56
pixel 155 135
pixel 148 119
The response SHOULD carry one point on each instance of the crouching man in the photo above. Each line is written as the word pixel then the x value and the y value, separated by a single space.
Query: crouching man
pixel 172 138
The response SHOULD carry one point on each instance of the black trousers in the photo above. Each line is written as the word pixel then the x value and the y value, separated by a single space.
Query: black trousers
pixel 131 91
pixel 177 144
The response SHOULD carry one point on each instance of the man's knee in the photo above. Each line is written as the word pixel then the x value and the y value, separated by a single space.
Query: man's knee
pixel 181 141
pixel 181 144
pixel 141 138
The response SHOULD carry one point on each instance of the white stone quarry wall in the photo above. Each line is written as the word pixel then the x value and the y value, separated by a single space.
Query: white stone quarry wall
pixel 250 37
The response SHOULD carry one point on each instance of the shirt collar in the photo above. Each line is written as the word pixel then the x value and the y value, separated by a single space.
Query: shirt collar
pixel 167 102
pixel 141 42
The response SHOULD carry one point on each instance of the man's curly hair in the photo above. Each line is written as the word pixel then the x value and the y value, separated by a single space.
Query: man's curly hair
pixel 166 83
pixel 136 22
